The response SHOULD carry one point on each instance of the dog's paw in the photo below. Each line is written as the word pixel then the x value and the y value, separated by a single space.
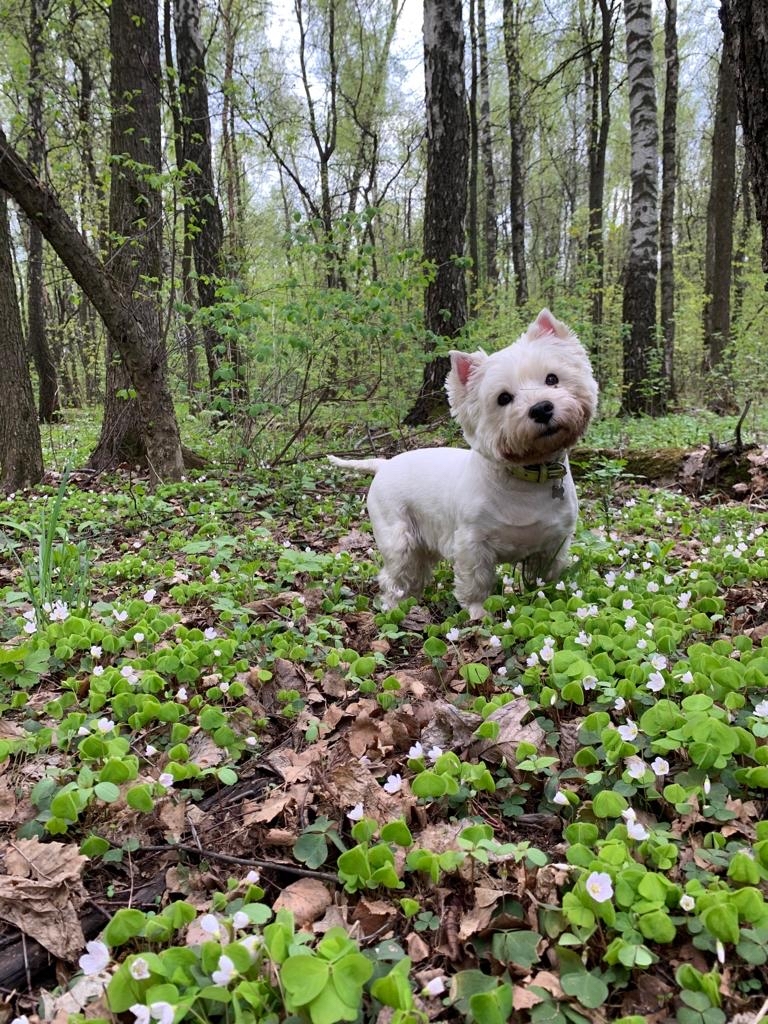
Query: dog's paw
pixel 476 612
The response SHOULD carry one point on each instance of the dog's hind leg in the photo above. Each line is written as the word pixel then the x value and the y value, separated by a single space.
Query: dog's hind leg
pixel 407 564
pixel 474 572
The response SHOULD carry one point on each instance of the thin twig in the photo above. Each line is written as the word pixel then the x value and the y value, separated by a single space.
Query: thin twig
pixel 324 876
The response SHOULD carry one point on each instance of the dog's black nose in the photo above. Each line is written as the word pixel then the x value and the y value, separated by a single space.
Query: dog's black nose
pixel 541 412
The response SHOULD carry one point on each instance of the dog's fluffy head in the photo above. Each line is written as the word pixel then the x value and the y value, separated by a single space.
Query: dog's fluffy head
pixel 527 402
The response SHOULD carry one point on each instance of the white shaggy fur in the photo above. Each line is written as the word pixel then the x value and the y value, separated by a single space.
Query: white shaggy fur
pixel 525 405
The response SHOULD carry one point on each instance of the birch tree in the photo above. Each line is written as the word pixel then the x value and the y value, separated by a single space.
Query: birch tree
pixel 513 15
pixel 668 192
pixel 642 385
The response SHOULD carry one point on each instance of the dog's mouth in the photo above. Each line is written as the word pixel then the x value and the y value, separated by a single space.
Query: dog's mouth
pixel 551 430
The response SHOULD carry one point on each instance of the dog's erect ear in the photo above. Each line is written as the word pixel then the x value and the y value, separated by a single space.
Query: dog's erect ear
pixel 545 323
pixel 463 364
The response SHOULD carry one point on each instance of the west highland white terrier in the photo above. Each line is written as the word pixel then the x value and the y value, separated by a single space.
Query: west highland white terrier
pixel 511 497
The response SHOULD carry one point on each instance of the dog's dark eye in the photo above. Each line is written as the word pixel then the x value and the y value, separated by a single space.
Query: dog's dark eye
pixel 552 379
pixel 504 398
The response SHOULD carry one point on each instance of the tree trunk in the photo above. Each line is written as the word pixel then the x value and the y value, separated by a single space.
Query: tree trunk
pixel 445 202
pixel 146 427
pixel 745 27
pixel 642 383
pixel 668 190
pixel 188 294
pixel 45 364
pixel 599 92
pixel 718 264
pixel 512 22
pixel 128 317
pixel 474 277
pixel 21 456
pixel 490 229
pixel 205 220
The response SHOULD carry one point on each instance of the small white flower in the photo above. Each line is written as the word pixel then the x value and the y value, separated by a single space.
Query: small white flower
pixel 637 831
pixel 138 637
pixel 240 920
pixel 98 670
pixel 560 798
pixel 684 600
pixel 655 682
pixel 96 651
pixel 150 750
pixel 707 786
pixel 589 682
pixel 251 741
pixel 652 587
pixel 600 886
pixel 686 677
pixel 583 639
pixel 627 603
pixel 162 1012
pixel 140 1012
pixel 518 690
pixel 642 643
pixel 416 750
pixel 59 612
pixel 501 671
pixel 139 969
pixel 165 779
pixel 226 971
pixel 30 627
pixel 83 731
pixel 720 951
pixel 658 661
pixel 547 652
pixel 95 959
pixel 687 902
pixel 357 812
pixel 619 704
pixel 393 784
pixel 253 877
pixel 252 943
pixel 224 686
pixel 181 694
pixel 630 622
pixel 129 672
pixel 532 659
pixel 452 635
pixel 636 767
pixel 105 725
pixel 435 987
pixel 211 925
pixel 761 709
pixel 210 633
pixel 149 595
pixel 628 731
pixel 660 767
pixel 494 641
pixel 434 752
pixel 121 616
pixel 213 575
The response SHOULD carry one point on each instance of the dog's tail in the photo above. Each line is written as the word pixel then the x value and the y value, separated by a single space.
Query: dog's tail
pixel 360 465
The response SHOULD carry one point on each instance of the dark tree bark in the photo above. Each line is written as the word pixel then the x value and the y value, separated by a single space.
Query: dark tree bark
pixel 512 21
pixel 188 292
pixel 21 456
pixel 445 203
pixel 668 192
pixel 490 229
pixel 129 317
pixel 745 27
pixel 45 364
pixel 144 429
pixel 474 278
pixel 642 380
pixel 598 74
pixel 205 221
pixel 718 262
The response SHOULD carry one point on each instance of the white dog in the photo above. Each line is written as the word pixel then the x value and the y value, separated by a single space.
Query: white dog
pixel 510 498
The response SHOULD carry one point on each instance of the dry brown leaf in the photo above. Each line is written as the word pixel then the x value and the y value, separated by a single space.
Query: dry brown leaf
pixel 204 751
pixel 307 898
pixel 372 915
pixel 478 917
pixel 42 894
pixel 296 767
pixel 417 948
pixel 173 817
pixel 450 728
pixel 512 732
pixel 263 811
pixel 88 991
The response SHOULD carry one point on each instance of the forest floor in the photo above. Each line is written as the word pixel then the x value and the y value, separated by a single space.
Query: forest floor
pixel 320 812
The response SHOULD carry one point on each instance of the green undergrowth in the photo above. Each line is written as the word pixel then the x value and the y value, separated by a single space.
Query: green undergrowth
pixel 595 817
